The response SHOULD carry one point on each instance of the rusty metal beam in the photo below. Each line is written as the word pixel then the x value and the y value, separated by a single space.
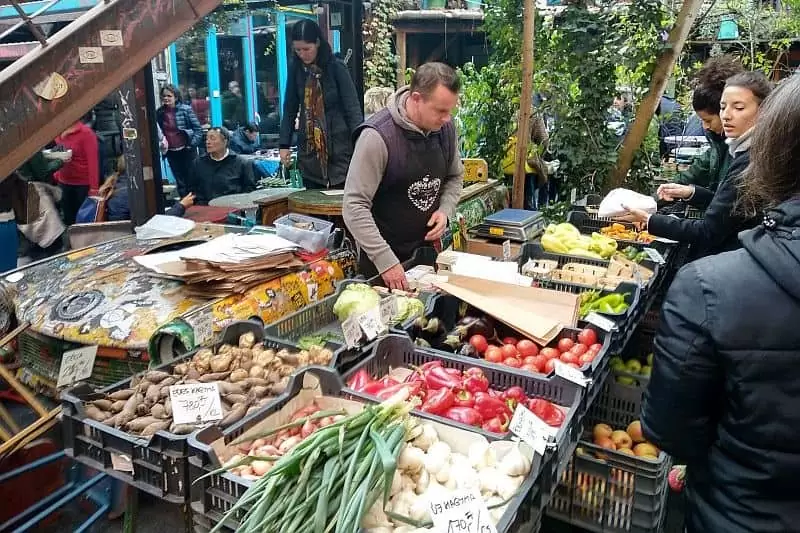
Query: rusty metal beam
pixel 28 121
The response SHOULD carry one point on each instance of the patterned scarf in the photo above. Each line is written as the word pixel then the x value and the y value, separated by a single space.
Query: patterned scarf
pixel 316 138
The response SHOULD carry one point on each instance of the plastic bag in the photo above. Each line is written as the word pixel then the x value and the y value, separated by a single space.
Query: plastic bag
pixel 612 204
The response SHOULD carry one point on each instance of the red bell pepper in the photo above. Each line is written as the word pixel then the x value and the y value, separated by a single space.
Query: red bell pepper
pixel 374 387
pixel 359 380
pixel 549 413
pixel 474 371
pixel 453 372
pixel 513 396
pixel 494 393
pixel 430 365
pixel 388 392
pixel 489 407
pixel 498 424
pixel 464 398
pixel 438 402
pixel 438 378
pixel 474 383
pixel 464 415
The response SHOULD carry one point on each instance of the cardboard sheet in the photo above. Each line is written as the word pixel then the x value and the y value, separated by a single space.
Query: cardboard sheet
pixel 538 313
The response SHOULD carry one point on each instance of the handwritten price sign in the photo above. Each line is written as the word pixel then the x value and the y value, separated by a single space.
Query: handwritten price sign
pixel 76 365
pixel 195 403
pixel 461 511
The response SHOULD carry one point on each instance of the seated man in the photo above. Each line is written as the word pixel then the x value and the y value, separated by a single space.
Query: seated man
pixel 220 172
pixel 246 140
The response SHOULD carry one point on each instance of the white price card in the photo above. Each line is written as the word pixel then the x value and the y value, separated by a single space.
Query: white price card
pixel 460 511
pixel 202 324
pixel 606 324
pixel 570 373
pixel 654 255
pixel 531 429
pixel 371 324
pixel 121 463
pixel 76 365
pixel 351 331
pixel 506 250
pixel 196 403
pixel 388 309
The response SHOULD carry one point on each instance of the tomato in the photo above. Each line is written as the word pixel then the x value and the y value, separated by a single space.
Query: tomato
pixel 509 350
pixel 513 361
pixel 479 343
pixel 540 361
pixel 529 360
pixel 573 365
pixel 565 344
pixel 526 348
pixel 569 357
pixel 587 336
pixel 510 340
pixel 493 354
pixel 549 353
pixel 596 348
pixel 530 368
pixel 550 366
pixel 579 349
pixel 586 358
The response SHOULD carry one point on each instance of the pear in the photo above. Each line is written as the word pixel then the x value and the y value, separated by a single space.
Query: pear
pixel 635 431
pixel 601 431
pixel 621 439
pixel 633 366
pixel 645 449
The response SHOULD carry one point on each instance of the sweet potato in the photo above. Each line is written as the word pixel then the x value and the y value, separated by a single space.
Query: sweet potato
pixel 226 388
pixel 155 426
pixel 152 394
pixel 156 376
pixel 138 424
pixel 166 382
pixel 168 407
pixel 236 413
pixel 117 406
pixel 259 391
pixel 158 411
pixel 247 340
pixel 215 376
pixel 238 375
pixel 103 405
pixel 181 429
pixel 256 382
pixel 123 394
pixel 95 413
pixel 235 398
pixel 111 420
pixel 220 363
pixel 181 369
pixel 279 387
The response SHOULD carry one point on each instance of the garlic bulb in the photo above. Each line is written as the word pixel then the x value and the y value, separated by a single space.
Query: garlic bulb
pixel 411 459
pixel 514 463
pixel 426 438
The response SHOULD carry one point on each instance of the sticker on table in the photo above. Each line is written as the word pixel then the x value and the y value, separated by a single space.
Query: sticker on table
pixel 196 403
pixel 460 511
pixel 76 365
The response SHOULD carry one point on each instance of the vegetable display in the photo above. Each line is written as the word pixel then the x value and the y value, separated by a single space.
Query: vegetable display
pixel 634 254
pixel 612 304
pixel 429 467
pixel 358 298
pixel 248 376
pixel 328 481
pixel 623 233
pixel 565 238
pixel 465 397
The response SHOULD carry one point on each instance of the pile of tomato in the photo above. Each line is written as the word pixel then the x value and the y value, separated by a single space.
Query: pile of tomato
pixel 526 355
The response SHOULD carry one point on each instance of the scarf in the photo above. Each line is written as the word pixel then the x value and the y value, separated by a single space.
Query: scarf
pixel 316 139
pixel 741 143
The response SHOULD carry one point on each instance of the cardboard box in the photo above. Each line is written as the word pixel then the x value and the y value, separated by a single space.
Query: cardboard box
pixel 481 246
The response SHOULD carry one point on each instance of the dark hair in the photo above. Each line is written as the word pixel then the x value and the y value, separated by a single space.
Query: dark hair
pixel 308 31
pixel 222 131
pixel 430 75
pixel 773 175
pixel 171 88
pixel 711 80
pixel 754 81
pixel 252 127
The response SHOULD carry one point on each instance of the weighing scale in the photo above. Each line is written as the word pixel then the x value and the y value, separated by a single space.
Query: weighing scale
pixel 512 224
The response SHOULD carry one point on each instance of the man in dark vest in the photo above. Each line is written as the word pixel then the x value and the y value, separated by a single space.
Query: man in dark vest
pixel 405 177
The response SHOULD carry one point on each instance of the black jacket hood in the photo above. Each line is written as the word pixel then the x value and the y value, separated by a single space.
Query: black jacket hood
pixel 775 245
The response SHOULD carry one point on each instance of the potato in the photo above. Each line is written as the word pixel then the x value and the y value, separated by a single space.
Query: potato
pixel 238 375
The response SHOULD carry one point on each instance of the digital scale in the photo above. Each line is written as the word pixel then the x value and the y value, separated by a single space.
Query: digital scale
pixel 512 224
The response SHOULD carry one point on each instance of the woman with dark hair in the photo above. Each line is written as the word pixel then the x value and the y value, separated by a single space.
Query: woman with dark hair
pixel 708 169
pixel 183 133
pixel 321 90
pixel 724 395
pixel 716 232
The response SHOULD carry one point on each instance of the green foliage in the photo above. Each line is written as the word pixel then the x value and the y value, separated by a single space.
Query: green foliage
pixel 379 58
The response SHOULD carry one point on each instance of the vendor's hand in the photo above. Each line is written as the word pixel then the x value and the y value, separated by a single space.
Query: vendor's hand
pixel 638 217
pixel 188 200
pixel 395 278
pixel 286 156
pixel 675 191
pixel 437 223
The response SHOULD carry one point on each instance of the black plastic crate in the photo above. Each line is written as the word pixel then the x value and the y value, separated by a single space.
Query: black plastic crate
pixel 160 462
pixel 616 493
pixel 214 495
pixel 589 222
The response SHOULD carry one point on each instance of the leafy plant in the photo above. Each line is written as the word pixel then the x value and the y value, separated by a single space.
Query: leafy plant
pixel 379 58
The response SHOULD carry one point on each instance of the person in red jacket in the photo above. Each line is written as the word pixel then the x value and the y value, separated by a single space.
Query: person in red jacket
pixel 81 173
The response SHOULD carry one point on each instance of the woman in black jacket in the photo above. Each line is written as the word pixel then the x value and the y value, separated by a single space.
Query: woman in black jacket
pixel 320 88
pixel 716 232
pixel 724 394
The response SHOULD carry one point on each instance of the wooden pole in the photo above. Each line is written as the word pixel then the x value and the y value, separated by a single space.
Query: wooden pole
pixel 525 105
pixel 661 73
pixel 400 44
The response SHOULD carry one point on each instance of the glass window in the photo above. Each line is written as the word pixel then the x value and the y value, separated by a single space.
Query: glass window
pixel 231 81
pixel 267 96
pixel 190 51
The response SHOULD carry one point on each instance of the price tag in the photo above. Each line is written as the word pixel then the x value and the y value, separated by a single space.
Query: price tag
pixel 121 462
pixel 654 255
pixel 460 511
pixel 352 331
pixel 495 231
pixel 506 250
pixel 606 324
pixel 202 326
pixel 371 324
pixel 531 429
pixel 570 373
pixel 76 365
pixel 388 309
pixel 196 403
